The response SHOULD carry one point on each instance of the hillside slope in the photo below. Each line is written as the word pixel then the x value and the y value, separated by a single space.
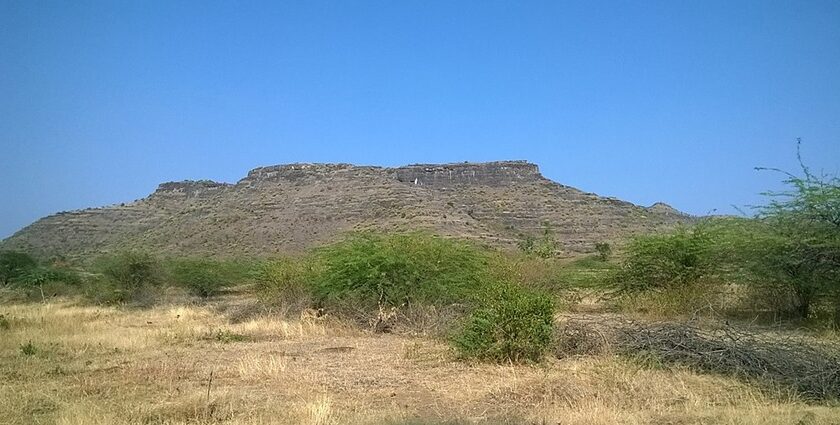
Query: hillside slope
pixel 289 208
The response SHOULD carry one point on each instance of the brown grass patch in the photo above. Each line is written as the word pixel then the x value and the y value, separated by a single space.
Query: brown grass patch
pixel 121 366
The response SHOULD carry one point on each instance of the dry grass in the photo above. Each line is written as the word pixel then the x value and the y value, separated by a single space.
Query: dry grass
pixel 91 365
pixel 261 367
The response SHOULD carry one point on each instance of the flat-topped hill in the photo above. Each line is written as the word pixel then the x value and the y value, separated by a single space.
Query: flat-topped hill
pixel 289 208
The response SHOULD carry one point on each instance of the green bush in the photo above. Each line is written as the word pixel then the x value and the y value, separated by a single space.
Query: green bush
pixel 14 264
pixel 35 281
pixel 41 275
pixel 604 251
pixel 204 278
pixel 132 274
pixel 669 260
pixel 288 282
pixel 101 290
pixel 544 247
pixel 28 349
pixel 511 325
pixel 44 282
pixel 371 270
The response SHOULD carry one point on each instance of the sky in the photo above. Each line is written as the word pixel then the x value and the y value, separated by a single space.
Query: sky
pixel 672 101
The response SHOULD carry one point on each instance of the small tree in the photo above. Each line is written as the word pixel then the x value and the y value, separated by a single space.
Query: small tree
pixel 14 264
pixel 795 244
pixel 202 277
pixel 604 251
pixel 43 274
pixel 132 271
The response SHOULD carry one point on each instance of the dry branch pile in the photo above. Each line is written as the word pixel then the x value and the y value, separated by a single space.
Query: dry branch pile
pixel 586 336
pixel 809 368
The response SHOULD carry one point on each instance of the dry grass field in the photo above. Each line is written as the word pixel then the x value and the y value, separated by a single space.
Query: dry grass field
pixel 66 363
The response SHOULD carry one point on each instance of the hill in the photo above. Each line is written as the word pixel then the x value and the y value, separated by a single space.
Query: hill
pixel 289 208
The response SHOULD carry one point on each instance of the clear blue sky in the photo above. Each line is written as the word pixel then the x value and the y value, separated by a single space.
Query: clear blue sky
pixel 671 101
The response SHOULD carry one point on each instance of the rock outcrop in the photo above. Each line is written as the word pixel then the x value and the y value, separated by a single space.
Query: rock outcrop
pixel 288 208
pixel 663 208
pixel 496 174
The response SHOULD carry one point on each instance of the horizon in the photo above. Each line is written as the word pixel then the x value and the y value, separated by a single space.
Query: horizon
pixel 653 102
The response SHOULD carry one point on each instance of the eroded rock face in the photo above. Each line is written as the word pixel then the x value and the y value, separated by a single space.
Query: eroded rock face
pixel 505 173
pixel 189 188
pixel 288 208
pixel 297 173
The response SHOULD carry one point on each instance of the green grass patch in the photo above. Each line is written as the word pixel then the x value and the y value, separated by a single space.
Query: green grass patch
pixel 587 272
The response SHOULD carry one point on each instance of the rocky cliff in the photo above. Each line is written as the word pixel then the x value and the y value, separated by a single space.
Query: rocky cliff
pixel 288 208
